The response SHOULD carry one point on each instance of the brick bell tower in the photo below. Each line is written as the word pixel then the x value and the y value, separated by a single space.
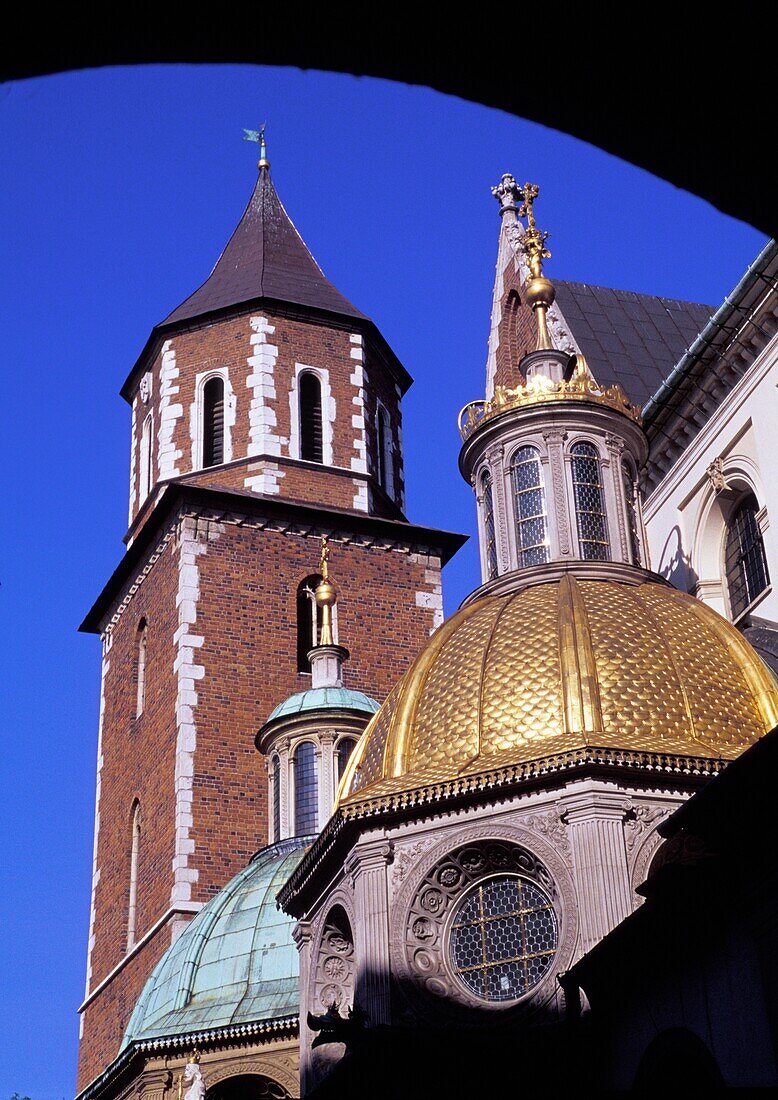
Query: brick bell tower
pixel 265 415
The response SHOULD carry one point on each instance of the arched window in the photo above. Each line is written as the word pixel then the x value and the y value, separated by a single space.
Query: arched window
pixel 275 794
pixel 308 620
pixel 382 435
pixel 306 790
pixel 744 557
pixel 132 908
pixel 490 537
pixel 630 499
pixel 145 478
pixel 589 498
pixel 140 668
pixel 344 749
pixel 213 422
pixel 530 500
pixel 311 441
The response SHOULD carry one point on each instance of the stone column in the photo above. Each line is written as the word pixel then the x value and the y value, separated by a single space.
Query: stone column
pixel 556 495
pixel 614 492
pixel 595 821
pixel 368 866
pixel 502 497
pixel 287 807
pixel 302 934
pixel 326 776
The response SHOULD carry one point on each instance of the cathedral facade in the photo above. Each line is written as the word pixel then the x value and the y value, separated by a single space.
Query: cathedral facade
pixel 449 814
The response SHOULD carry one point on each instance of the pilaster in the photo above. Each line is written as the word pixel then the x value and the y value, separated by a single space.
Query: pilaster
pixel 556 495
pixel 154 1084
pixel 595 821
pixel 302 934
pixel 368 867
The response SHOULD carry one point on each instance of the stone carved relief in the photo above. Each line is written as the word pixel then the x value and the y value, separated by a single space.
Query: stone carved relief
pixel 552 827
pixel 555 441
pixel 716 475
pixel 405 858
pixel 335 965
pixel 642 840
pixel 280 1070
pixel 644 818
pixel 144 389
pixel 422 908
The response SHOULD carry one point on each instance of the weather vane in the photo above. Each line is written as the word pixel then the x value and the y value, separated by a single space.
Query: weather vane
pixel 258 136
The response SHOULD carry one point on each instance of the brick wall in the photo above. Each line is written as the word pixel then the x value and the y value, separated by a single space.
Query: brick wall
pixel 220 604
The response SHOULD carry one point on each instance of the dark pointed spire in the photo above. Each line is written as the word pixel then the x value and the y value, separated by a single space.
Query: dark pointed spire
pixel 264 258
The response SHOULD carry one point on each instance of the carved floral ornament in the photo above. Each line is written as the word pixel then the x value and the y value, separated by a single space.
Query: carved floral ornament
pixel 430 918
pixel 540 391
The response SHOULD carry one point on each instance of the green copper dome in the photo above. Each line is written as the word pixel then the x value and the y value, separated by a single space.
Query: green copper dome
pixel 235 962
pixel 325 698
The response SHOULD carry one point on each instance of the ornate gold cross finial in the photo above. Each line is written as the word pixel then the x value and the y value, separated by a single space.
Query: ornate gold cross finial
pixel 325 594
pixel 539 292
pixel 259 137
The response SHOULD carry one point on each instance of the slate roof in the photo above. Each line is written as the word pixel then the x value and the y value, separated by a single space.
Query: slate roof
pixel 633 339
pixel 235 962
pixel 264 258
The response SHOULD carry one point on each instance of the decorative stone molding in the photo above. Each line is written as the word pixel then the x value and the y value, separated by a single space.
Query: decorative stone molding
pixel 551 826
pixel 421 909
pixel 405 858
pixel 716 475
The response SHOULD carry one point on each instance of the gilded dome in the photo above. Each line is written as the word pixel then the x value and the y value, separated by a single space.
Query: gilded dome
pixel 561 665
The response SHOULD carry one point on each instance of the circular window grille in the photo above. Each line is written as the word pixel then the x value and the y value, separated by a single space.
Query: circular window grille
pixel 503 938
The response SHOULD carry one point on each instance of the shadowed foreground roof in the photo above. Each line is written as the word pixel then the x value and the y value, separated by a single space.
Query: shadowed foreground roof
pixel 264 258
pixel 633 339
pixel 235 963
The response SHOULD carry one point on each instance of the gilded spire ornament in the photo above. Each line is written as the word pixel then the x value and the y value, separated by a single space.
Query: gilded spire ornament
pixel 259 137
pixel 539 292
pixel 325 595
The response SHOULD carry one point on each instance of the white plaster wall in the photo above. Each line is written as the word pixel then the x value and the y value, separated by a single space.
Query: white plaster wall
pixel 683 516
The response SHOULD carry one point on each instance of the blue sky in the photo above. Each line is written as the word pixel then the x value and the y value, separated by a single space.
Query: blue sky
pixel 119 188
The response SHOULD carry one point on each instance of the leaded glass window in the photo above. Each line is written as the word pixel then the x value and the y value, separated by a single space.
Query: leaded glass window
pixel 630 499
pixel 503 938
pixel 745 561
pixel 593 544
pixel 490 537
pixel 275 780
pixel 530 497
pixel 306 790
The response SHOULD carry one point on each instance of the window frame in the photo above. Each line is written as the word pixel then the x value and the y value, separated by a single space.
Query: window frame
pixel 520 521
pixel 594 456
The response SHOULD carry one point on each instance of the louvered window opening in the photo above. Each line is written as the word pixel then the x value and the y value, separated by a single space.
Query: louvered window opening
pixel 276 792
pixel 309 618
pixel 490 535
pixel 311 444
pixel 530 500
pixel 213 422
pixel 745 560
pixel 306 793
pixel 381 432
pixel 630 497
pixel 593 543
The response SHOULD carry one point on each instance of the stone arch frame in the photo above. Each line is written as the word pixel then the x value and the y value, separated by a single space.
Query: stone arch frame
pixel 647 849
pixel 610 495
pixel 548 992
pixel 319 953
pixel 291 797
pixel 346 735
pixel 710 530
pixel 328 413
pixel 260 1066
pixel 540 445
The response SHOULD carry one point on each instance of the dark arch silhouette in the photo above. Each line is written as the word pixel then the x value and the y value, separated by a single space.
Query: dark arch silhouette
pixel 657 85
pixel 677 1059
pixel 249 1086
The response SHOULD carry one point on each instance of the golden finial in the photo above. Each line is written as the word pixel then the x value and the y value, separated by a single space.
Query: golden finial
pixel 259 137
pixel 325 594
pixel 539 292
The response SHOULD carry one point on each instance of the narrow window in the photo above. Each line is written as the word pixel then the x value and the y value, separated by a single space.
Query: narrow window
pixel 213 422
pixel 589 498
pixel 744 557
pixel 145 479
pixel 140 668
pixel 490 537
pixel 345 747
pixel 311 447
pixel 381 434
pixel 275 786
pixel 132 908
pixel 630 497
pixel 530 498
pixel 308 621
pixel 306 793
